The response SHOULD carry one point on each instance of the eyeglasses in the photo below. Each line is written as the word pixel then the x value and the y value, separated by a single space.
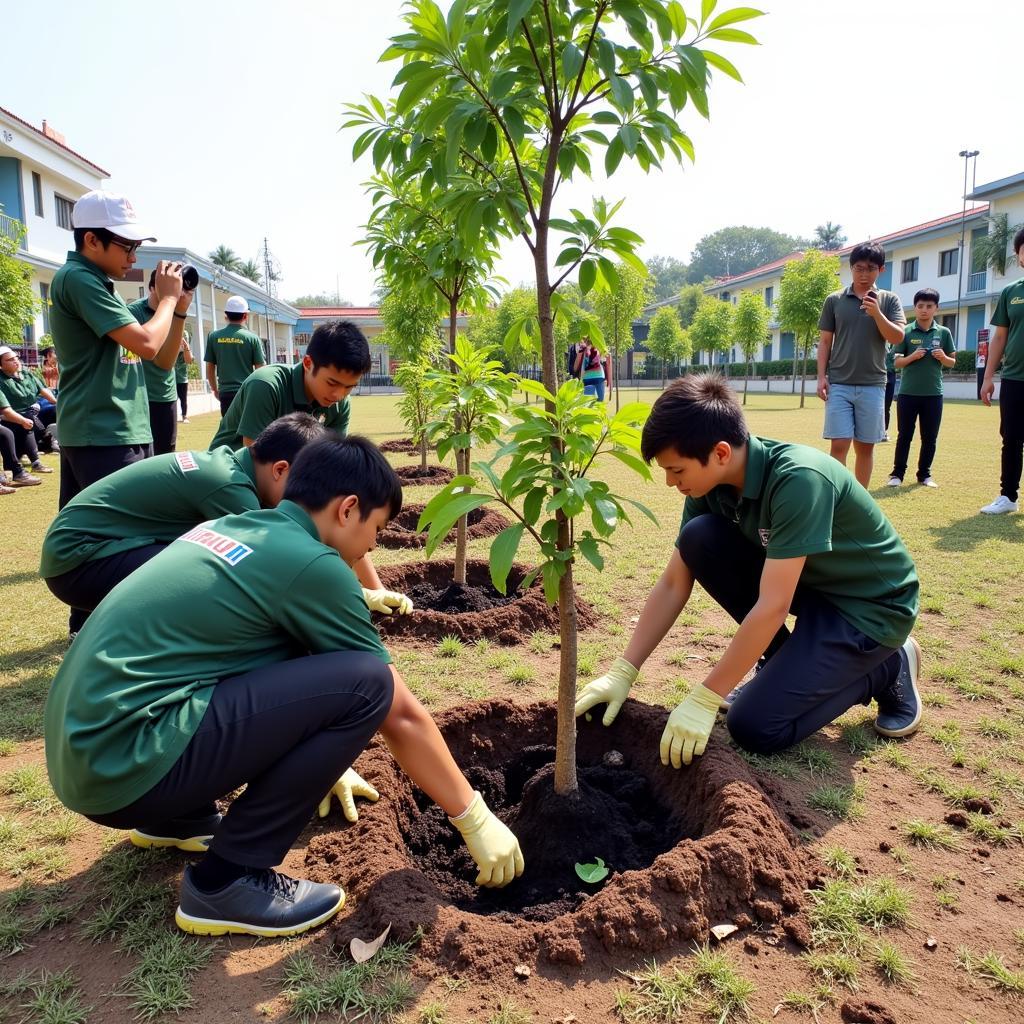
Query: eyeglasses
pixel 131 248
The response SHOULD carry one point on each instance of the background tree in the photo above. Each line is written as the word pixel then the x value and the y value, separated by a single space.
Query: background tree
pixel 665 340
pixel 616 310
pixel 667 276
pixel 993 250
pixel 689 300
pixel 806 283
pixel 226 257
pixel 750 330
pixel 18 303
pixel 829 236
pixel 411 324
pixel 415 404
pixel 735 250
pixel 320 299
pixel 525 90
pixel 250 269
pixel 711 328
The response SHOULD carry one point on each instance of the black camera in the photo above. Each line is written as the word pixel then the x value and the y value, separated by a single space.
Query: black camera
pixel 189 277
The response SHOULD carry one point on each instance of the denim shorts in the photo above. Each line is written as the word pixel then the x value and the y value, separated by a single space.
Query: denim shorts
pixel 855 411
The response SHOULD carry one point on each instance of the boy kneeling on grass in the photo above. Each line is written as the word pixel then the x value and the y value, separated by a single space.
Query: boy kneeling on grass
pixel 189 680
pixel 768 528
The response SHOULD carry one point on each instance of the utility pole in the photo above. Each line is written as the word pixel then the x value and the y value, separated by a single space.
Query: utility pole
pixel 967 154
pixel 271 270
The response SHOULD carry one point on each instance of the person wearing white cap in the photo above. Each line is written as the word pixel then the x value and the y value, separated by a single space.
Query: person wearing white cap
pixel 232 353
pixel 103 414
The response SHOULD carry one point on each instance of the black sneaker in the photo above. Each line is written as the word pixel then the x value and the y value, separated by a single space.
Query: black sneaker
pixel 264 903
pixel 192 835
pixel 899 707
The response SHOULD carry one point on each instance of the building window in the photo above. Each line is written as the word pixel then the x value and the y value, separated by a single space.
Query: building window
pixel 948 320
pixel 37 192
pixel 769 296
pixel 63 207
pixel 910 270
pixel 948 262
pixel 44 294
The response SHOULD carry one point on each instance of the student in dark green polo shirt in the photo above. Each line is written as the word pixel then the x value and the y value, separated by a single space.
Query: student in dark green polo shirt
pixel 1008 348
pixel 160 388
pixel 926 348
pixel 122 521
pixel 250 659
pixel 769 527
pixel 20 392
pixel 103 414
pixel 181 365
pixel 232 353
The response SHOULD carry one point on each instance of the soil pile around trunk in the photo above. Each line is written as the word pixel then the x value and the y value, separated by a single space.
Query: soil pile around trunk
pixel 400 445
pixel 401 531
pixel 417 476
pixel 716 850
pixel 477 610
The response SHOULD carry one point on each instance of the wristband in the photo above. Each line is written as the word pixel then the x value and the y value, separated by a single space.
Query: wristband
pixel 180 316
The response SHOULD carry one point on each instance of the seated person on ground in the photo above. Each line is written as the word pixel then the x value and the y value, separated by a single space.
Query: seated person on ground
pixel 770 528
pixel 21 395
pixel 146 726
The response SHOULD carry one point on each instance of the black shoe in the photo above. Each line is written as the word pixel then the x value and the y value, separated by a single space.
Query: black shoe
pixel 263 902
pixel 192 835
pixel 899 708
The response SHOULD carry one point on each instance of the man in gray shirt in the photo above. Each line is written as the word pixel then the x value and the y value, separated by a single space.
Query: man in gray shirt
pixel 857 325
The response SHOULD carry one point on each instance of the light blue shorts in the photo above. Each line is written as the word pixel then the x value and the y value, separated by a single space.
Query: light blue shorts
pixel 855 411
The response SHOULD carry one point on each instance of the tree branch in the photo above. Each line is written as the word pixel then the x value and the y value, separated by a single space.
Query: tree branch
pixel 549 94
pixel 556 104
pixel 598 15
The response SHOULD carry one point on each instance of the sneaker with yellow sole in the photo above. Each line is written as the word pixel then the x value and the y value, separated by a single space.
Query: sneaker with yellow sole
pixel 192 835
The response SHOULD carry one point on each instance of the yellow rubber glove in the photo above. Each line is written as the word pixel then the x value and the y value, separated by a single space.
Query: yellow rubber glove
pixel 386 601
pixel 689 726
pixel 491 844
pixel 612 689
pixel 346 789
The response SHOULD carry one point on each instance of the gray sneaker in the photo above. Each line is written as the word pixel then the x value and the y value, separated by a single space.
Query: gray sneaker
pixel 899 707
pixel 25 480
pixel 264 903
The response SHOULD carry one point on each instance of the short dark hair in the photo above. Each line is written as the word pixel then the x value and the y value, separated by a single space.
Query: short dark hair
pixel 339 343
pixel 102 234
pixel 283 439
pixel 868 252
pixel 1018 241
pixel 926 295
pixel 693 414
pixel 235 318
pixel 335 467
pixel 44 352
pixel 152 278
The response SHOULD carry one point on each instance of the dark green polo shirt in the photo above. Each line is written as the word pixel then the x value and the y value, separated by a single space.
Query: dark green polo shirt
pixel 799 501
pixel 102 391
pixel 1010 314
pixel 159 383
pixel 270 392
pixel 236 352
pixel 923 377
pixel 180 369
pixel 20 392
pixel 858 348
pixel 890 356
pixel 149 502
pixel 229 596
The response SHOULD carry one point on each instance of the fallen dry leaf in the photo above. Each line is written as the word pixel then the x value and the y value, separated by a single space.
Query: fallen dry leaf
pixel 362 951
pixel 723 931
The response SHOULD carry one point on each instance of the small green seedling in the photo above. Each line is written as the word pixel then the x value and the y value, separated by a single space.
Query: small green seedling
pixel 592 873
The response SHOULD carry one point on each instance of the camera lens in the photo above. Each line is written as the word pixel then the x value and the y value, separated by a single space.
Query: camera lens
pixel 189 277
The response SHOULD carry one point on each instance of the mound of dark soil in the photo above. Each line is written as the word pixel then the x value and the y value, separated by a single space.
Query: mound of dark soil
pixel 470 612
pixel 401 445
pixel 418 476
pixel 687 849
pixel 401 531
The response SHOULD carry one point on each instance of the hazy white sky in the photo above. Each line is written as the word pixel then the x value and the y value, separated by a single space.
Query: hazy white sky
pixel 220 120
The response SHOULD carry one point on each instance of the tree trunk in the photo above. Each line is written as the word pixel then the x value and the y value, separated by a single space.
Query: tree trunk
pixel 461 459
pixel 803 373
pixel 795 361
pixel 565 743
pixel 746 382
pixel 423 451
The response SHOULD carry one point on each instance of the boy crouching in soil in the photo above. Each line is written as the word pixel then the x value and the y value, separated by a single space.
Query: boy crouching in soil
pixel 768 528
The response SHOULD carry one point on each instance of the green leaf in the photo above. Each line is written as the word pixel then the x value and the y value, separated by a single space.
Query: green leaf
pixel 460 483
pixel 706 7
pixel 532 505
pixel 588 275
pixel 591 552
pixel 592 873
pixel 635 464
pixel 572 60
pixel 551 573
pixel 613 155
pixel 733 35
pixel 503 554
pixel 622 93
pixel 733 16
pixel 718 61
pixel 517 10
pixel 447 516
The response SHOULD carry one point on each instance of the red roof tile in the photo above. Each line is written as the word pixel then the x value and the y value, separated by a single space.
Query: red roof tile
pixel 927 225
pixel 62 145
pixel 338 311
pixel 763 269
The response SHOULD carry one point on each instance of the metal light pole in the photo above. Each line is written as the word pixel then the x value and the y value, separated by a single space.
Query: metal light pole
pixel 967 155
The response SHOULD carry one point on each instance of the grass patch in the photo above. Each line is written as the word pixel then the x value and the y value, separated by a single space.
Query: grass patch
pixel 992 969
pixel 519 675
pixel 834 968
pixel 29 788
pixel 892 965
pixel 450 646
pixel 984 827
pixel 160 983
pixel 839 802
pixel 996 728
pixel 935 699
pixel 930 836
pixel 815 759
pixel 839 911
pixel 541 642
pixel 509 1013
pixel 50 998
pixel 7 747
pixel 840 860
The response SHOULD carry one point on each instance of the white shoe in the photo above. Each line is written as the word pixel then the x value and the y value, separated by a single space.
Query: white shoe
pixel 894 481
pixel 999 506
pixel 928 482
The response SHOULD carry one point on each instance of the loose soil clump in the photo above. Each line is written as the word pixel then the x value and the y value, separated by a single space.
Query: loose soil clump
pixel 399 445
pixel 417 476
pixel 687 849
pixel 401 531
pixel 471 612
